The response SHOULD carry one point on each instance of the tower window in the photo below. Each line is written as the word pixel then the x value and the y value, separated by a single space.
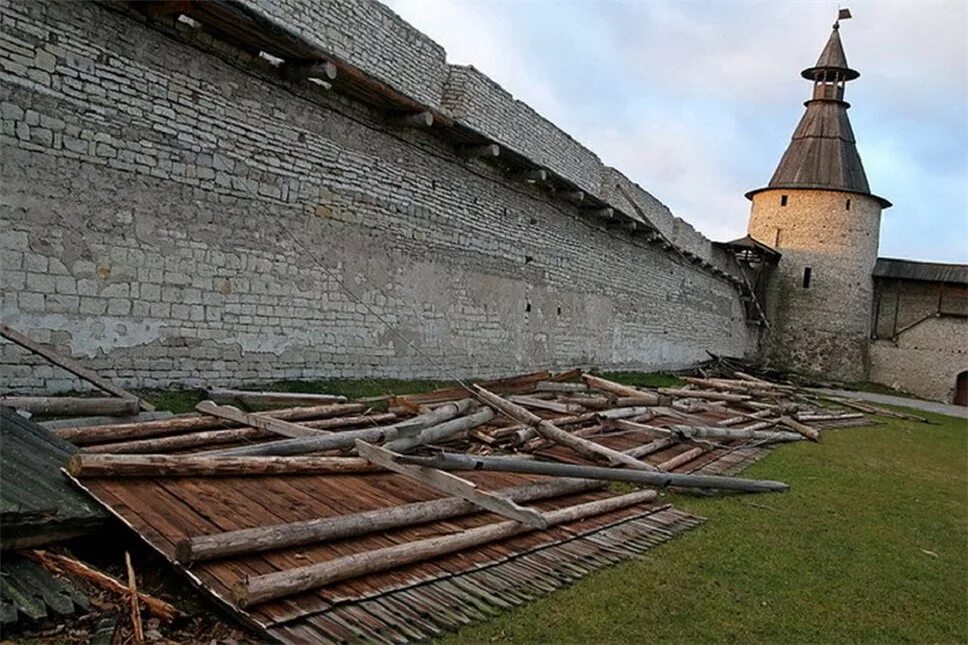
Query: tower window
pixel 848 204
pixel 807 273
pixel 784 199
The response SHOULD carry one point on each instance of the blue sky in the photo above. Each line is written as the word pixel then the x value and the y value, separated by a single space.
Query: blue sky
pixel 696 101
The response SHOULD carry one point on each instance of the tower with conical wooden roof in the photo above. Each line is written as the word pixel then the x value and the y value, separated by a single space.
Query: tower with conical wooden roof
pixel 819 213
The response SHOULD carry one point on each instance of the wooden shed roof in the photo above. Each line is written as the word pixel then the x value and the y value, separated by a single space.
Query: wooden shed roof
pixel 922 271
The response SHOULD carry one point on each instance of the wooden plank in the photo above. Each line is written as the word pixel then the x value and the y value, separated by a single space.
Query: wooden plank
pixel 452 485
pixel 70 365
pixel 272 398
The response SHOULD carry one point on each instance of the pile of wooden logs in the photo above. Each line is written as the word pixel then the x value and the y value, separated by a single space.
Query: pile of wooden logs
pixel 578 431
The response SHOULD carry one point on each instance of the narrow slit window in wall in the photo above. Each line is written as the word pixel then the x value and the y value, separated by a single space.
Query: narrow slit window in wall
pixel 848 204
pixel 783 200
pixel 807 274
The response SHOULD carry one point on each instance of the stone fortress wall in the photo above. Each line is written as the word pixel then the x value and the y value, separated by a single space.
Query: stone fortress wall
pixel 174 209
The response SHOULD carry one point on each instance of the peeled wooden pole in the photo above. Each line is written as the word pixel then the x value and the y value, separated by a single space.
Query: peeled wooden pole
pixel 551 432
pixel 810 433
pixel 278 536
pixel 705 394
pixel 453 461
pixel 441 431
pixel 681 458
pixel 158 445
pixel 750 433
pixel 258 589
pixel 87 466
pixel 175 425
pixel 347 439
pixel 62 406
pixel 223 395
pixel 604 385
pixel 277 426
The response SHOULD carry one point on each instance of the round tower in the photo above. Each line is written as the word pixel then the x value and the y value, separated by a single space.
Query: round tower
pixel 819 213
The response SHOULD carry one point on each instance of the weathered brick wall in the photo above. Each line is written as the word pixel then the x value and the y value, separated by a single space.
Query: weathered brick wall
pixel 173 211
pixel 925 360
pixel 823 329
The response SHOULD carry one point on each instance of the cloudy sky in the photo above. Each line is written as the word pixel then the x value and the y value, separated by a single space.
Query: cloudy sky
pixel 696 101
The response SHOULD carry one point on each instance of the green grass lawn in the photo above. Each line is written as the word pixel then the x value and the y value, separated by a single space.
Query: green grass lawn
pixel 870 544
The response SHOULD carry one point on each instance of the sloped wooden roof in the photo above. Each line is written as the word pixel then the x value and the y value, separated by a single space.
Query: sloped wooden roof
pixel 823 152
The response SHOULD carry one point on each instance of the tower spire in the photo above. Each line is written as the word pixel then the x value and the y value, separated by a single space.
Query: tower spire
pixel 823 152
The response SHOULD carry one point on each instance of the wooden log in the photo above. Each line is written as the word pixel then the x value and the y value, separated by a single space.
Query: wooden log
pixel 64 406
pixel 258 589
pixel 277 426
pixel 223 395
pixel 810 433
pixel 159 445
pixel 337 423
pixel 575 196
pixel 624 412
pixel 279 536
pixel 684 458
pixel 652 447
pixel 79 422
pixel 453 461
pixel 70 365
pixel 874 409
pixel 61 565
pixel 441 432
pixel 828 417
pixel 752 433
pixel 85 465
pixel 551 432
pixel 534 403
pixel 99 434
pixel 555 386
pixel 347 439
pixel 704 394
pixel 452 485
pixel 526 433
pixel 740 417
pixel 519 384
pixel 624 424
pixel 604 385
pixel 605 213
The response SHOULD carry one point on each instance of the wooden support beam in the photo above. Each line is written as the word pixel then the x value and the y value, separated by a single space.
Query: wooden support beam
pixel 551 432
pixel 452 485
pixel 574 196
pixel 258 589
pixel 279 536
pixel 534 403
pixel 65 406
pixel 423 119
pixel 277 426
pixel 810 433
pixel 88 465
pixel 70 364
pixel 184 441
pixel 302 70
pixel 222 395
pixel 488 150
pixel 554 386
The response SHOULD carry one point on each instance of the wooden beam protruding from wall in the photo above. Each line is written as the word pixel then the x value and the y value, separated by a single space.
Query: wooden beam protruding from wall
pixel 575 196
pixel 535 174
pixel 302 70
pixel 482 151
pixel 423 119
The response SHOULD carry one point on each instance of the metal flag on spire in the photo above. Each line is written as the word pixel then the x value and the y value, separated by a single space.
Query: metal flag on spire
pixel 843 14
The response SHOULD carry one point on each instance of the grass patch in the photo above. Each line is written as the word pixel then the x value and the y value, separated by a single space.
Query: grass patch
pixel 841 557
